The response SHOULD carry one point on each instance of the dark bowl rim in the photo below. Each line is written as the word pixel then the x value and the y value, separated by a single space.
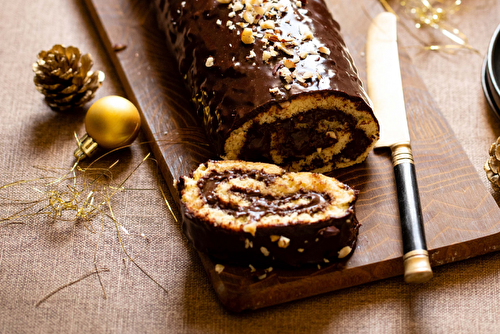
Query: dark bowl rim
pixel 487 89
pixel 491 50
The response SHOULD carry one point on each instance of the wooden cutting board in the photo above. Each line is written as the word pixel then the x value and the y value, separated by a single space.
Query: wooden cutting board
pixel 461 218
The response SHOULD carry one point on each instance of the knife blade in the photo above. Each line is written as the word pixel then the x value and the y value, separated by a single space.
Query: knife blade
pixel 385 89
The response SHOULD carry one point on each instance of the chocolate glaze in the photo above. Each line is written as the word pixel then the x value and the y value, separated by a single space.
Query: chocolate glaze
pixel 319 241
pixel 236 89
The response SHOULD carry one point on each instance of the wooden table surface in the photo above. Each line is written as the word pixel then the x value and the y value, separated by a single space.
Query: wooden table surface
pixel 40 256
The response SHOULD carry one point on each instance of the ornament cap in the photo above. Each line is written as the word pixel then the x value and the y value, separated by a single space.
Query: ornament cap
pixel 86 147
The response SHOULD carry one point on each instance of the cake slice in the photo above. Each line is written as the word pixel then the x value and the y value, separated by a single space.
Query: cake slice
pixel 257 213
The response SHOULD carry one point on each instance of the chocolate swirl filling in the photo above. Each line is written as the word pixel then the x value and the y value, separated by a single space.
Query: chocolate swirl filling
pixel 260 205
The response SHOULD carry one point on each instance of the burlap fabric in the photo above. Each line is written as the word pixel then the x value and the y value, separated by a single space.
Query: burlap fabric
pixel 39 256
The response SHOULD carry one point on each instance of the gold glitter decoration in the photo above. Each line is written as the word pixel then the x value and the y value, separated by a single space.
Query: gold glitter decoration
pixel 434 13
pixel 80 195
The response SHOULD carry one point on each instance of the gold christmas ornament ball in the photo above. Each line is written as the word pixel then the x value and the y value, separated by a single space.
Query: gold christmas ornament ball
pixel 113 121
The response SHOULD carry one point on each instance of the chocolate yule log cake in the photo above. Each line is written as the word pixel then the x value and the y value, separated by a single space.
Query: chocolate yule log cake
pixel 259 214
pixel 272 80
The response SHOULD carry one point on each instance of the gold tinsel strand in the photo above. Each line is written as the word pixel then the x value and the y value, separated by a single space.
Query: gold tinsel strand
pixel 79 195
pixel 434 13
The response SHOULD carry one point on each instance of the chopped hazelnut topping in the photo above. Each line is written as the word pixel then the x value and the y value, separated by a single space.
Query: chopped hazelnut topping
pixel 219 268
pixel 248 243
pixel 282 47
pixel 260 21
pixel 289 64
pixel 283 242
pixel 274 238
pixel 307 35
pixel 268 24
pixel 344 252
pixel 285 74
pixel 252 268
pixel 307 75
pixel 261 277
pixel 209 62
pixel 272 37
pixel 247 36
pixel 249 16
pixel 324 50
pixel 237 6
pixel 326 260
pixel 251 55
pixel 300 250
pixel 264 251
pixel 250 228
pixel 274 90
pixel 331 134
pixel 266 55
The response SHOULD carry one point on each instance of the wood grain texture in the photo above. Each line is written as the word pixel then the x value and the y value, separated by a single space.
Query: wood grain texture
pixel 461 218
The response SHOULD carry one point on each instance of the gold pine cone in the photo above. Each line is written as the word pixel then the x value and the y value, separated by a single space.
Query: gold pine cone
pixel 63 75
pixel 492 165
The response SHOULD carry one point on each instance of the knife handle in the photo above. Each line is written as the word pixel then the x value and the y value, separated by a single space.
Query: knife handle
pixel 417 268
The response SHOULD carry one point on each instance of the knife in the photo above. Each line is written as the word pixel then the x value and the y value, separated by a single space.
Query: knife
pixel 386 92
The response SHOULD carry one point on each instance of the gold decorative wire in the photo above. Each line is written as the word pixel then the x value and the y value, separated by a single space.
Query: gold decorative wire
pixel 434 14
pixel 80 195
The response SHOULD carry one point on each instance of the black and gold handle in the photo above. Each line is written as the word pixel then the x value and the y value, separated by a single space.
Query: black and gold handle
pixel 417 268
pixel 386 92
